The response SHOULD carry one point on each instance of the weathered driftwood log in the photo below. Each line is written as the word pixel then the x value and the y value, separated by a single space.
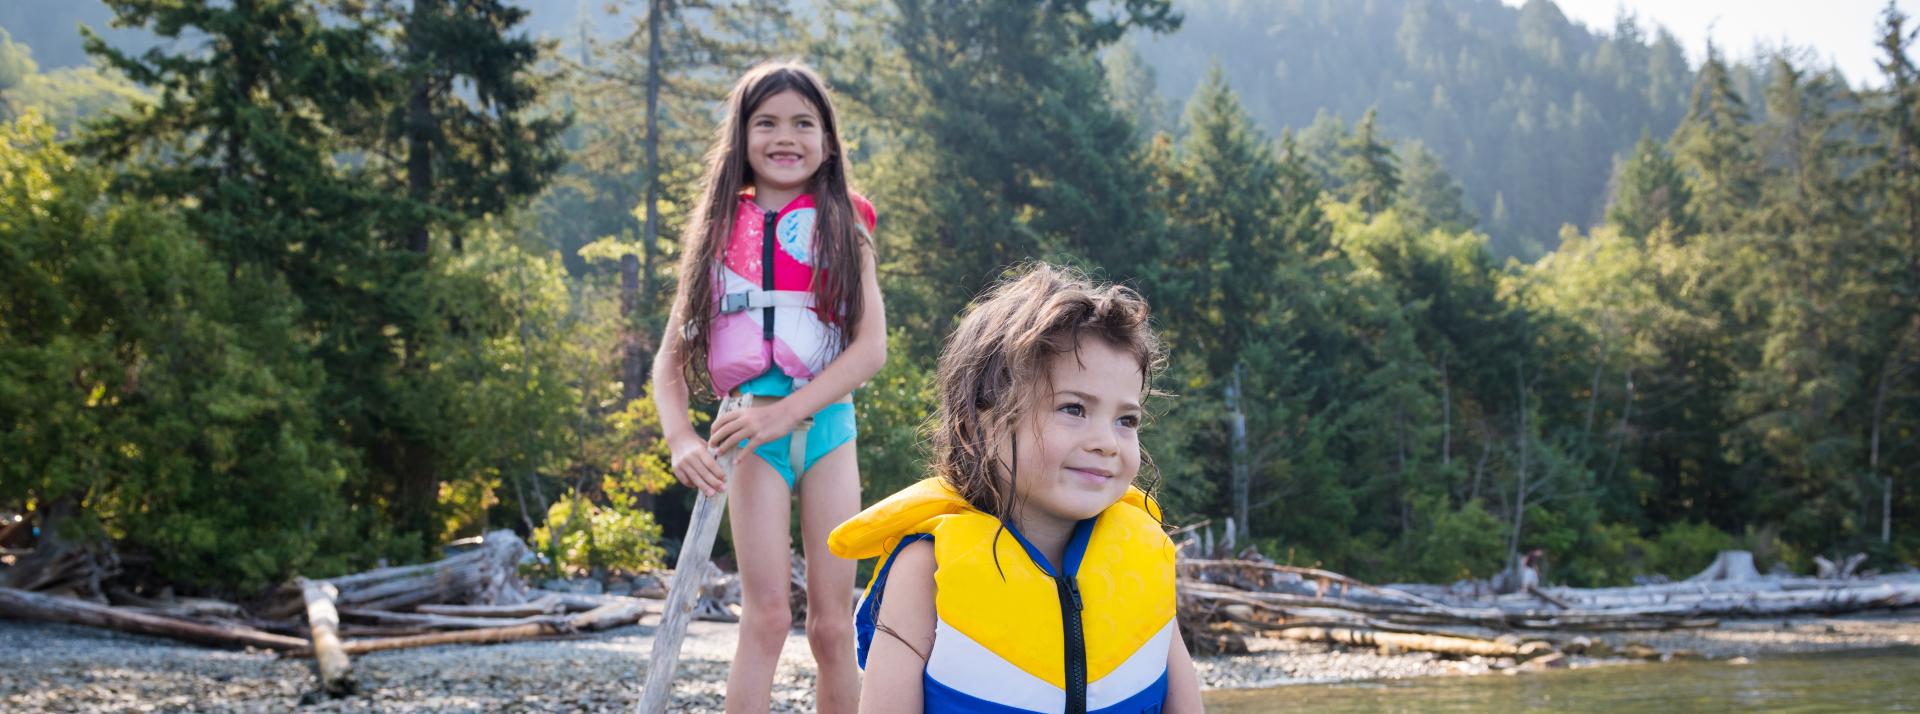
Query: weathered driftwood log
pixel 582 602
pixel 612 614
pixel 330 662
pixel 1409 642
pixel 445 622
pixel 165 604
pixel 719 593
pixel 1665 606
pixel 1261 576
pixel 35 606
pixel 1729 565
pixel 486 575
pixel 542 605
pixel 362 631
pixel 461 637
pixel 1827 569
pixel 57 567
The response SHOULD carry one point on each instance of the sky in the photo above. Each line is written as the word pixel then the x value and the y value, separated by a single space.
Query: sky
pixel 1841 32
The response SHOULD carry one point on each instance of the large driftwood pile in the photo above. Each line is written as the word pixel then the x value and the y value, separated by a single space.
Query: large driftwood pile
pixel 475 596
pixel 1222 600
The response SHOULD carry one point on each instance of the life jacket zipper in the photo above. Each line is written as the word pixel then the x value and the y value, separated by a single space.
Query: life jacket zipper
pixel 1076 639
pixel 766 271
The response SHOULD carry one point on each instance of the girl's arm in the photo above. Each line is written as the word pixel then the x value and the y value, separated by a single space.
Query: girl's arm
pixel 856 364
pixel 897 661
pixel 693 462
pixel 1183 684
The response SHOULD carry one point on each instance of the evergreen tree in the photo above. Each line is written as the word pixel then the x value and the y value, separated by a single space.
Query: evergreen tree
pixel 970 197
pixel 1649 192
pixel 1796 400
pixel 1429 195
pixel 1368 169
pixel 1135 91
pixel 468 135
pixel 1229 204
pixel 1892 350
pixel 1713 147
pixel 462 126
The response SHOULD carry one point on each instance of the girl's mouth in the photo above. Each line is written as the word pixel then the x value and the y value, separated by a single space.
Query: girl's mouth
pixel 1095 475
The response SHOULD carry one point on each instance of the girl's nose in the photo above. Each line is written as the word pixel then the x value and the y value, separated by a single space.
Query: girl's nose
pixel 1103 441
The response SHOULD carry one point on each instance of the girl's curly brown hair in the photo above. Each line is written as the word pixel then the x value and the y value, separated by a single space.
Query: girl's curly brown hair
pixel 995 366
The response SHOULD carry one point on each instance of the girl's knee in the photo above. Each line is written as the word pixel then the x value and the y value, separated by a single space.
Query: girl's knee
pixel 829 627
pixel 766 624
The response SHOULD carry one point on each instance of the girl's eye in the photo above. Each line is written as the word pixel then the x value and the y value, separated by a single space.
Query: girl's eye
pixel 805 123
pixel 1073 409
pixel 762 123
pixel 1130 421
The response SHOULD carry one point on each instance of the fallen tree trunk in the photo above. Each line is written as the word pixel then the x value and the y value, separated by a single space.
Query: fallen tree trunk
pixel 612 614
pixel 545 604
pixel 34 606
pixel 329 660
pixel 445 622
pixel 1409 642
pixel 466 637
pixel 582 602
pixel 486 575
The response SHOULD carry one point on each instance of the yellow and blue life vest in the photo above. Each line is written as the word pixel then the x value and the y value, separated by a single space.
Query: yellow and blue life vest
pixel 1013 632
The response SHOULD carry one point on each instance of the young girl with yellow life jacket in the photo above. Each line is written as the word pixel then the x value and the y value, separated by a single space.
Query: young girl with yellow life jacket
pixel 1028 574
pixel 779 310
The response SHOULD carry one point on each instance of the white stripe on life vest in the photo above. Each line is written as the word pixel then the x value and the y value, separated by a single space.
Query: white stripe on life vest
pixel 973 670
pixel 1140 671
pixel 970 668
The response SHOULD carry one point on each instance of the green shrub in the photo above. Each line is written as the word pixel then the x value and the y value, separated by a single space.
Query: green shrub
pixel 1447 545
pixel 1686 548
pixel 583 536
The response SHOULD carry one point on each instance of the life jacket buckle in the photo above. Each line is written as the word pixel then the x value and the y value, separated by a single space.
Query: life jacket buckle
pixel 736 302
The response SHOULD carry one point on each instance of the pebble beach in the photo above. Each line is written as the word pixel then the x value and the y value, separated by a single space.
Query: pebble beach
pixel 48 667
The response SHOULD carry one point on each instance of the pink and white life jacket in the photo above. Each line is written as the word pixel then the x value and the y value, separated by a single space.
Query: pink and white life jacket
pixel 765 313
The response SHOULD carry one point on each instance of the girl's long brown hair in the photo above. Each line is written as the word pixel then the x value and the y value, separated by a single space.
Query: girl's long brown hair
pixel 995 367
pixel 838 232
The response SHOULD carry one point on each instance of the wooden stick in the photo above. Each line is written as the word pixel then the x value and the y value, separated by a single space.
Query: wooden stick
pixel 323 622
pixel 687 571
pixel 35 606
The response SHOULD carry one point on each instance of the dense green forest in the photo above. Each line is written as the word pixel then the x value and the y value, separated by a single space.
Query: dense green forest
pixel 319 288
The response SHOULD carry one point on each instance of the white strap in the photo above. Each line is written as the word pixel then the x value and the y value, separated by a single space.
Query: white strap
pixel 797 449
pixel 758 299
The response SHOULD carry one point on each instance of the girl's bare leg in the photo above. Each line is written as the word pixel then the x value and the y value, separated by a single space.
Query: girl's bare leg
pixel 758 506
pixel 829 495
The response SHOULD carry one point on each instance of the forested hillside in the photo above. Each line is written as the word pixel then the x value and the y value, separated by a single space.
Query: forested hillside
pixel 1525 108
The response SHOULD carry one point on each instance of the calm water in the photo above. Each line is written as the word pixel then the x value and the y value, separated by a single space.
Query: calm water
pixel 1869 681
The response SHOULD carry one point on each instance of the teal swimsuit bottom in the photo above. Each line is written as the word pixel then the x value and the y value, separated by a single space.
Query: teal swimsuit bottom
pixel 832 427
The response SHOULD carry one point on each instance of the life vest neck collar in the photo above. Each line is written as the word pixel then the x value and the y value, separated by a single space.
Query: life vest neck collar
pixel 801 200
pixel 1076 548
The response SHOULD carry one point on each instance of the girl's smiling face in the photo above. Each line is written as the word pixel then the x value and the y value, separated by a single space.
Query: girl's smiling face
pixel 1079 447
pixel 785 144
